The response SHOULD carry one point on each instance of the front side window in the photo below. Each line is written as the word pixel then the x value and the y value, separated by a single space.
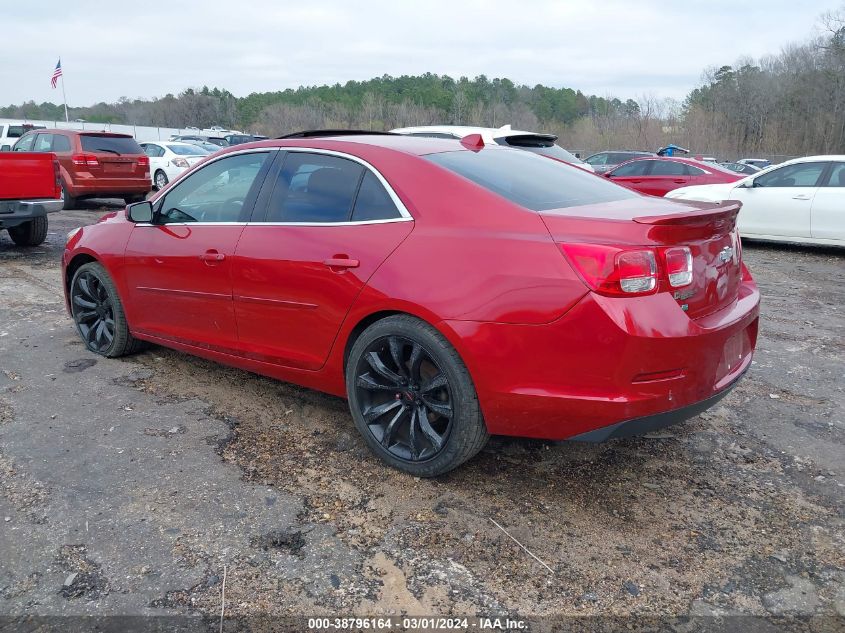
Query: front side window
pixel 837 176
pixel 597 159
pixel 799 175
pixel 314 188
pixel 636 168
pixel 529 180
pixel 215 193
pixel 25 143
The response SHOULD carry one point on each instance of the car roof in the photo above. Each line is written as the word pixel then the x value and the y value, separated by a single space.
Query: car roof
pixel 413 145
pixel 466 130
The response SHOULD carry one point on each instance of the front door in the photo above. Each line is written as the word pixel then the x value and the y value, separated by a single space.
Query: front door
pixel 780 201
pixel 329 223
pixel 179 267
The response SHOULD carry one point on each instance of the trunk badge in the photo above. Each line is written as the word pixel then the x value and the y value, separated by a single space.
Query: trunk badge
pixel 726 254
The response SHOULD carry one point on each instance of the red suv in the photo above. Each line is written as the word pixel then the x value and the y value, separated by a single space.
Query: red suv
pixel 94 164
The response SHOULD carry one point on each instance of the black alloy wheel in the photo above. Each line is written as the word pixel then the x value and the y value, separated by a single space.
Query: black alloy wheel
pixel 412 397
pixel 98 313
pixel 93 312
pixel 405 398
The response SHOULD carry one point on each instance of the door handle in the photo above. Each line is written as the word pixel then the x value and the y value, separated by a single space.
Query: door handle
pixel 341 262
pixel 212 257
pixel 801 196
pixel 680 182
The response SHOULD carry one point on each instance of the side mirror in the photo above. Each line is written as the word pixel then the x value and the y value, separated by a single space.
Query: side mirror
pixel 140 211
pixel 746 184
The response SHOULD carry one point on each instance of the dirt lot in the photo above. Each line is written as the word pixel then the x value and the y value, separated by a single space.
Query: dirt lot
pixel 131 486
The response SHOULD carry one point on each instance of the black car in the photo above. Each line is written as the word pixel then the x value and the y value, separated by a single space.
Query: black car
pixel 603 162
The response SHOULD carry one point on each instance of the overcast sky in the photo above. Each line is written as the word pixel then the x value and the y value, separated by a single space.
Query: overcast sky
pixel 625 48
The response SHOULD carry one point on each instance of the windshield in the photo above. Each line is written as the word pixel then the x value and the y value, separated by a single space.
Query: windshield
pixel 188 150
pixel 110 144
pixel 529 180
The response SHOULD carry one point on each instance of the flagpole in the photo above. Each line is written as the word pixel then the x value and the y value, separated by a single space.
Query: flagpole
pixel 64 97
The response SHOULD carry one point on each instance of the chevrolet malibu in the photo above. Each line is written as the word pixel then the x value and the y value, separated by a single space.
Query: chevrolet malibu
pixel 448 289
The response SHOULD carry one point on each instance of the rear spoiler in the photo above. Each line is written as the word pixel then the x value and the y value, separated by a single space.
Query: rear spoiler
pixel 719 212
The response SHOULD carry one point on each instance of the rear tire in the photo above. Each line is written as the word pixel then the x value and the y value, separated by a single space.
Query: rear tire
pixel 98 313
pixel 30 233
pixel 160 179
pixel 412 398
pixel 69 200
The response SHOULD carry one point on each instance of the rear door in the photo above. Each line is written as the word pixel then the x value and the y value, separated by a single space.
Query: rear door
pixel 828 213
pixel 179 267
pixel 780 201
pixel 665 175
pixel 632 174
pixel 330 221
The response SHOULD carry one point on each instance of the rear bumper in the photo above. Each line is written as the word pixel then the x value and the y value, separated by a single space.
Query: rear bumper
pixel 15 212
pixel 87 185
pixel 649 423
pixel 608 366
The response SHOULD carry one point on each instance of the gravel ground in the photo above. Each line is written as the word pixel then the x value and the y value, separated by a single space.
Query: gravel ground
pixel 132 486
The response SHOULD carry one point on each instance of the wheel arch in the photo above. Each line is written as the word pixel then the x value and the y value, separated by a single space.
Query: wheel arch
pixel 73 265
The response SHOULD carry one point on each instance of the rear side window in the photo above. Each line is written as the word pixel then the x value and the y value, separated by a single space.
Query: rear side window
pixel 61 143
pixel 531 181
pixel 43 143
pixel 186 150
pixel 373 202
pixel 314 188
pixel 110 144
pixel 598 159
pixel 668 168
pixel 637 168
pixel 837 176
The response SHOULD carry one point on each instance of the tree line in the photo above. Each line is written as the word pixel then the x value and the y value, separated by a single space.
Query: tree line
pixel 792 103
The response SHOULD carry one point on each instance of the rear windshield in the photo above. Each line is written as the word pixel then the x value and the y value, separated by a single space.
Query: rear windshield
pixel 188 150
pixel 539 145
pixel 110 144
pixel 531 181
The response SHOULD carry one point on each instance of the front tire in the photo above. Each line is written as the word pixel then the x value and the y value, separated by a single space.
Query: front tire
pixel 412 398
pixel 98 313
pixel 31 233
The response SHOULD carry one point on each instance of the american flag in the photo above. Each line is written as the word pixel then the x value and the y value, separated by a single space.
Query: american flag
pixel 56 73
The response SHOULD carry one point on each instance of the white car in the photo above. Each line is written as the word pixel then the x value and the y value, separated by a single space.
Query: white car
pixel 536 142
pixel 801 200
pixel 168 159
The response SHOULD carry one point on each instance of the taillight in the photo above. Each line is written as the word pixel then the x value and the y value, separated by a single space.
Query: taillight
pixel 180 162
pixel 57 176
pixel 678 266
pixel 143 161
pixel 84 160
pixel 614 271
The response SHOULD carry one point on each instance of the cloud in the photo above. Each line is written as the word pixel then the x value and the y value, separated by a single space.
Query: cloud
pixel 614 47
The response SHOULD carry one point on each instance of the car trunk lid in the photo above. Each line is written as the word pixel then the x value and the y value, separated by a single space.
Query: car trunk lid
pixel 707 230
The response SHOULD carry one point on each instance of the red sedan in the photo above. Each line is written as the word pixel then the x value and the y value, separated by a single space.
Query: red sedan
pixel 449 290
pixel 659 175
